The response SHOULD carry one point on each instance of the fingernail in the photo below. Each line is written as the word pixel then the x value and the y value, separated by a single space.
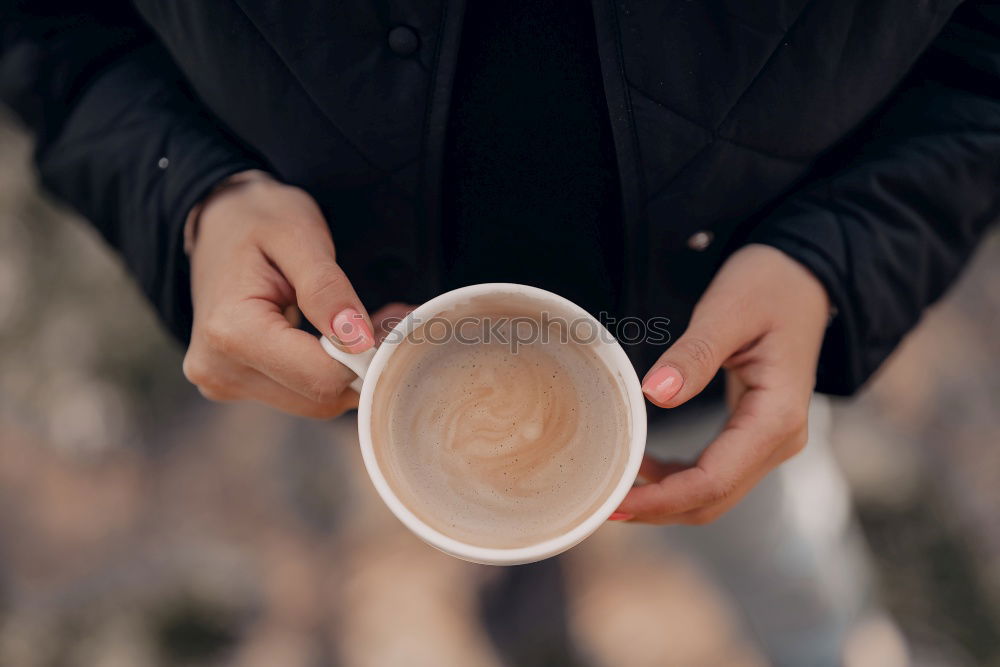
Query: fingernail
pixel 662 384
pixel 352 331
pixel 620 516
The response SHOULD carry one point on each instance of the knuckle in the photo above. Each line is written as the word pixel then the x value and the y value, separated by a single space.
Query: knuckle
pixel 195 369
pixel 316 392
pixel 720 491
pixel 216 388
pixel 219 336
pixel 321 389
pixel 328 410
pixel 700 352
pixel 200 373
pixel 324 281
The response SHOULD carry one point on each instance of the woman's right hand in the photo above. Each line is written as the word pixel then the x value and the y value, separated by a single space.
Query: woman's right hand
pixel 263 253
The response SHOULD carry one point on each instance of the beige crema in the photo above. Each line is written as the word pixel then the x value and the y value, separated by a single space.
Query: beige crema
pixel 496 448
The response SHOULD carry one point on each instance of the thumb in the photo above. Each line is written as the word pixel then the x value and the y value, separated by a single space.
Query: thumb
pixel 685 369
pixel 322 290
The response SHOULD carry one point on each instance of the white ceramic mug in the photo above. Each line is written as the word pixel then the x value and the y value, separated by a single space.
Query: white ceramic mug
pixel 371 365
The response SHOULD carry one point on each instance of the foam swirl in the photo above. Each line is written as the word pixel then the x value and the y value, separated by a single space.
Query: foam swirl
pixel 497 448
pixel 511 427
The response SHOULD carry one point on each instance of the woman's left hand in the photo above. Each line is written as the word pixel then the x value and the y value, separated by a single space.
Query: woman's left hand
pixel 762 319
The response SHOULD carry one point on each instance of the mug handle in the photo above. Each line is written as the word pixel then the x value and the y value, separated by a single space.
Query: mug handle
pixel 358 363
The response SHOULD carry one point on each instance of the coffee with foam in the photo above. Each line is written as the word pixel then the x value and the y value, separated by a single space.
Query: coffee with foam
pixel 494 444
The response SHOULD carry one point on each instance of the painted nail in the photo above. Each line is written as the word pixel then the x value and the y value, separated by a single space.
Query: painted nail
pixel 352 331
pixel 663 384
pixel 620 516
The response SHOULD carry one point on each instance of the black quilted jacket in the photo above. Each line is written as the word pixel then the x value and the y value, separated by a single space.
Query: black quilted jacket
pixel 861 137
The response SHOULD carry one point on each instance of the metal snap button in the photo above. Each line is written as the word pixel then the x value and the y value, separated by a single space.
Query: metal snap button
pixel 403 40
pixel 700 240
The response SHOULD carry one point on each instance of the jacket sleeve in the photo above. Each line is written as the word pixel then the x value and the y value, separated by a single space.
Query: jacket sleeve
pixel 890 228
pixel 118 135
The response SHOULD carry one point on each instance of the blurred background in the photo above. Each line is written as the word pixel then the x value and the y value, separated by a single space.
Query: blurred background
pixel 141 525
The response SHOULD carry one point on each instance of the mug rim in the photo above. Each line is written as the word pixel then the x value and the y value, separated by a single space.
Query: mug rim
pixel 505 555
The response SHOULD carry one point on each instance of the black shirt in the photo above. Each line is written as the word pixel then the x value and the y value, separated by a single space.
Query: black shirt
pixel 530 187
